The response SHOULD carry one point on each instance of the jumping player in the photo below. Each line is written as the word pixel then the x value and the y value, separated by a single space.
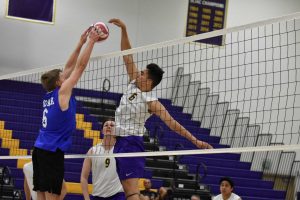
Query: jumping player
pixel 136 106
pixel 58 120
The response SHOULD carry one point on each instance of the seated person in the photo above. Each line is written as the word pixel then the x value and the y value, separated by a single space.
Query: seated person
pixel 149 194
pixel 106 183
pixel 226 188
pixel 28 184
pixel 195 197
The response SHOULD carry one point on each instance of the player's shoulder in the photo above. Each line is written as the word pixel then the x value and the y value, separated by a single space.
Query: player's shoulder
pixel 218 197
pixel 132 84
pixel 96 149
pixel 235 196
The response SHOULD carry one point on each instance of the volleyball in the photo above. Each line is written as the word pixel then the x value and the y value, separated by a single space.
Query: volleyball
pixel 102 30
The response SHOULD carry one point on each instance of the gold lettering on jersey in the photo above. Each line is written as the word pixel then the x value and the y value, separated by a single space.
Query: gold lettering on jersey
pixel 132 96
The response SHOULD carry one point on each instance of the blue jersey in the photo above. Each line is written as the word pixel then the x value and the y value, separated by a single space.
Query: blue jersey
pixel 57 125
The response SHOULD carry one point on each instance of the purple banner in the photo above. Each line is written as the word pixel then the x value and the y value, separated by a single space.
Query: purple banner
pixel 41 10
pixel 205 16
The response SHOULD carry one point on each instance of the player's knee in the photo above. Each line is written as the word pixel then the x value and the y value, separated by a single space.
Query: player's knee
pixel 144 197
pixel 63 191
pixel 27 168
pixel 133 196
pixel 130 186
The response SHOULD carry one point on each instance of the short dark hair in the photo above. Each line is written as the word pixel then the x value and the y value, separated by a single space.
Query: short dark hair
pixel 105 120
pixel 228 179
pixel 49 79
pixel 155 73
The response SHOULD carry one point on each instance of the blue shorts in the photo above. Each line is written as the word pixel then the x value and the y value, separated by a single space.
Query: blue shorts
pixel 118 196
pixel 130 167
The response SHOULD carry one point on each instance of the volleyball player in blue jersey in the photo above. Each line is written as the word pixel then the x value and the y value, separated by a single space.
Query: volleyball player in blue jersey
pixel 58 122
pixel 136 106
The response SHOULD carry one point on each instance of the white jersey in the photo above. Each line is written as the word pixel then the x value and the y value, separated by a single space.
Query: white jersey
pixel 132 112
pixel 28 172
pixel 105 179
pixel 232 197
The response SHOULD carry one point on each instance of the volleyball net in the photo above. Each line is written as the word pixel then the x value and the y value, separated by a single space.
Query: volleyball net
pixel 243 98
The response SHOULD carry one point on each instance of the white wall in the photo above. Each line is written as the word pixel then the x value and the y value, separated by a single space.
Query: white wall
pixel 244 12
pixel 25 45
pixel 161 20
pixel 30 45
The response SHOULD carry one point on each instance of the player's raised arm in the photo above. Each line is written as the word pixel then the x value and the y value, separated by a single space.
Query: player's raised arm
pixel 125 44
pixel 66 88
pixel 69 67
pixel 158 109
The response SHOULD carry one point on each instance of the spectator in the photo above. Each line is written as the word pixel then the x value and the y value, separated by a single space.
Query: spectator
pixel 195 197
pixel 150 194
pixel 226 188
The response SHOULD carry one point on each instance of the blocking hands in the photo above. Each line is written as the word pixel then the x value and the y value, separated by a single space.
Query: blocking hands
pixel 118 23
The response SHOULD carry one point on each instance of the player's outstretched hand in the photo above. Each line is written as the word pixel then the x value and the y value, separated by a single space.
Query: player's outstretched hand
pixel 118 23
pixel 202 145
pixel 85 35
pixel 94 35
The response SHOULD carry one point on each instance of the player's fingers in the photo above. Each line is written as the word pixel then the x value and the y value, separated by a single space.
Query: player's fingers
pixel 113 20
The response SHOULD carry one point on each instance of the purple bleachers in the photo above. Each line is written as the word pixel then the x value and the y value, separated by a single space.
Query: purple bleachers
pixel 171 134
pixel 14 95
pixel 214 162
pixel 171 143
pixel 74 197
pixel 22 101
pixel 226 171
pixel 151 125
pixel 4 151
pixel 183 121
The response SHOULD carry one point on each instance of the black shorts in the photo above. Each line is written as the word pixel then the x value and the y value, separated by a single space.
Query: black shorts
pixel 48 170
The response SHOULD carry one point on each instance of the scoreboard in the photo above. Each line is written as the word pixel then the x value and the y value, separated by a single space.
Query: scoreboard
pixel 205 16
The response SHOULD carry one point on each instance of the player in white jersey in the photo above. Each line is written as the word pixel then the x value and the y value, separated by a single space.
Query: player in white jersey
pixel 226 188
pixel 136 106
pixel 106 183
pixel 28 184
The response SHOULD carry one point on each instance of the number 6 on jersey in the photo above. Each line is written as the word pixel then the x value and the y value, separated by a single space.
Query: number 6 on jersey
pixel 44 121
